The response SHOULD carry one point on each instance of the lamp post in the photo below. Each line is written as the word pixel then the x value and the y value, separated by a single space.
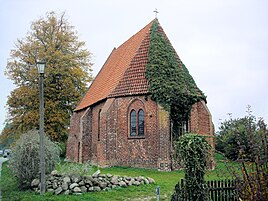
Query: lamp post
pixel 41 70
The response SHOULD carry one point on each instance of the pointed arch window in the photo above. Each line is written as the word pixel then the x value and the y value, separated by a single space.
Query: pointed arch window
pixel 141 122
pixel 133 122
pixel 136 123
pixel 99 114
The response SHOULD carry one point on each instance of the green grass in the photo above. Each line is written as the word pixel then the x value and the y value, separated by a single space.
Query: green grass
pixel 166 181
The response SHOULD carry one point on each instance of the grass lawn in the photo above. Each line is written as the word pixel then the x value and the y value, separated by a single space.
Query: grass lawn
pixel 166 181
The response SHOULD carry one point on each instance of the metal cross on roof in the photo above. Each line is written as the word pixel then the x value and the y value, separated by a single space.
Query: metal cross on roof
pixel 156 12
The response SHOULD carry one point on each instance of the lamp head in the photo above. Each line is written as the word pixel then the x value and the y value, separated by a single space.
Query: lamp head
pixel 41 67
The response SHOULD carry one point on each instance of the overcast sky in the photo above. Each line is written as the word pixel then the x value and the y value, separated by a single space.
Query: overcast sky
pixel 223 43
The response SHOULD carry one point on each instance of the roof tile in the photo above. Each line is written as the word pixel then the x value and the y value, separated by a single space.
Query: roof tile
pixel 113 69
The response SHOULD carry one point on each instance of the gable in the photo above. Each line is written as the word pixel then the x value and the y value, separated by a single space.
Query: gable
pixel 124 72
pixel 113 70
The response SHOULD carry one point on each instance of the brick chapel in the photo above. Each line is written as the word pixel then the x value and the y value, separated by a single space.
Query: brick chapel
pixel 116 123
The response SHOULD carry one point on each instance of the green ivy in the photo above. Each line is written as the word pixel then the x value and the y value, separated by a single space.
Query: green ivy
pixel 192 151
pixel 170 83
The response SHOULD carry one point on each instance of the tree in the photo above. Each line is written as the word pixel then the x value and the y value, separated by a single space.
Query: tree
pixel 246 141
pixel 68 70
pixel 238 138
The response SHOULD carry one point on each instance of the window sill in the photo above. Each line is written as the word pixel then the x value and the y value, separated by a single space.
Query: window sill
pixel 136 137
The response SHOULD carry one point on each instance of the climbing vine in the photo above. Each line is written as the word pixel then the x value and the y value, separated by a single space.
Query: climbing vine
pixel 192 151
pixel 170 83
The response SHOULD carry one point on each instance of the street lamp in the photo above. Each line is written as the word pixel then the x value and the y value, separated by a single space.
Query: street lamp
pixel 41 70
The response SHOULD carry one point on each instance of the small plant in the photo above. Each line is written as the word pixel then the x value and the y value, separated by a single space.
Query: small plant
pixel 192 151
pixel 26 158
pixel 75 168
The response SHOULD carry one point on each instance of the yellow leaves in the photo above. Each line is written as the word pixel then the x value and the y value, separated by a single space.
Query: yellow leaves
pixel 68 69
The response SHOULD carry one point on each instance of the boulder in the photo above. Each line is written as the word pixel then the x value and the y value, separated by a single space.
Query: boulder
pixel 50 190
pixel 77 190
pixel 58 190
pixel 146 181
pixel 73 185
pixel 103 185
pixel 65 186
pixel 76 178
pixel 66 179
pixel 81 183
pixel 67 192
pixel 114 180
pixel 136 183
pixel 90 189
pixel 96 174
pixel 35 183
pixel 151 180
pixel 83 189
pixel 96 188
pixel 122 184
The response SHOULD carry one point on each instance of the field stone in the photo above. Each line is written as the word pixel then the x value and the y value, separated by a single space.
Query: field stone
pixel 103 184
pixel 54 173
pixel 90 189
pixel 109 175
pixel 58 190
pixel 96 174
pixel 151 180
pixel 66 179
pixel 122 184
pixel 55 185
pixel 146 181
pixel 73 185
pixel 114 180
pixel 130 183
pixel 76 178
pixel 35 182
pixel 136 183
pixel 65 186
pixel 88 182
pixel 83 189
pixel 77 190
pixel 50 190
pixel 96 188
pixel 81 183
pixel 67 192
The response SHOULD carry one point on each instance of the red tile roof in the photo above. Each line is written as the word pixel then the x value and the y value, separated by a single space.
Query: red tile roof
pixel 123 73
pixel 121 61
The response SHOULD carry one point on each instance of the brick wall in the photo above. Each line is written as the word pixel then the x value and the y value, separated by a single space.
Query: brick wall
pixel 201 123
pixel 126 150
pixel 108 142
pixel 73 138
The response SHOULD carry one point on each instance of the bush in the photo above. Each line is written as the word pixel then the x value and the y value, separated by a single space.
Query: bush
pixel 62 146
pixel 193 152
pixel 26 159
pixel 246 141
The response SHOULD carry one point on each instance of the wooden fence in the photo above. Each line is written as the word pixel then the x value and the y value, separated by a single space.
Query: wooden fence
pixel 224 190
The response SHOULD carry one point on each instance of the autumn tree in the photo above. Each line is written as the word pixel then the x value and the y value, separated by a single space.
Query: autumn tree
pixel 68 70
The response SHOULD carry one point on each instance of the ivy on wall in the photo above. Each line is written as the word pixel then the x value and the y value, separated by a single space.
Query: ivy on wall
pixel 170 83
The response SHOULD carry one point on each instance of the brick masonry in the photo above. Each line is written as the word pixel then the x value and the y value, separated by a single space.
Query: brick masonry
pixel 100 134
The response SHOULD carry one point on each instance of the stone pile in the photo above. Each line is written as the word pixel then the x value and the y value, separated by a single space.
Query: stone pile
pixel 76 184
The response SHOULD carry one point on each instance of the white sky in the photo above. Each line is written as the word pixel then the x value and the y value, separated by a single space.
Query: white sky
pixel 223 43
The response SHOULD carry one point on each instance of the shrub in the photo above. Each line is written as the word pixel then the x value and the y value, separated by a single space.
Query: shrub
pixel 192 150
pixel 26 159
pixel 62 146
pixel 246 140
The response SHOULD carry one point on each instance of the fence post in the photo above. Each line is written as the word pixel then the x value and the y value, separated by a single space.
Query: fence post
pixel 158 193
